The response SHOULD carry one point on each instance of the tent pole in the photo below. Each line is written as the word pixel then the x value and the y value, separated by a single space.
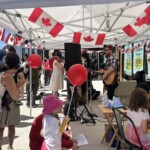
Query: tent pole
pixel 98 60
pixel 113 11
pixel 83 19
pixel 44 64
pixel 121 77
pixel 30 81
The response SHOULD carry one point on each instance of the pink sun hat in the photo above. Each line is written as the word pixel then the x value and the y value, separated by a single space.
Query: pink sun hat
pixel 51 103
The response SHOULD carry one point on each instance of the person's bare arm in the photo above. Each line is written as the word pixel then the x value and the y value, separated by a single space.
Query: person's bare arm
pixel 9 83
pixel 146 125
pixel 59 65
pixel 110 70
pixel 21 79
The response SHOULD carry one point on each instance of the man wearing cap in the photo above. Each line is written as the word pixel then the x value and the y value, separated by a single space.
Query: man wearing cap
pixel 111 64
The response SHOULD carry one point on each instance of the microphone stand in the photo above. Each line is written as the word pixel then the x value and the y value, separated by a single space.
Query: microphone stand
pixel 85 110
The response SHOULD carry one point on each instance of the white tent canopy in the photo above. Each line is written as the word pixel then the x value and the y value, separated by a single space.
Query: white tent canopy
pixel 99 18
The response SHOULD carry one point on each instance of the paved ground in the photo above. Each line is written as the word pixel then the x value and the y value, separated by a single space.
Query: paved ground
pixel 92 132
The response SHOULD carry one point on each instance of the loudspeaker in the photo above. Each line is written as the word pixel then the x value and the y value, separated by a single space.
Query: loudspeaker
pixel 72 54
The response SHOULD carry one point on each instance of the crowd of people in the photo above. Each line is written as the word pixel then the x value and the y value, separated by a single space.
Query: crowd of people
pixel 14 75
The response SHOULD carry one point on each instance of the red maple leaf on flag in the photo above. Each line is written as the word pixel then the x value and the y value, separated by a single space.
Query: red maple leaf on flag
pixel 139 22
pixel 143 20
pixel 11 39
pixel 46 21
pixel 88 38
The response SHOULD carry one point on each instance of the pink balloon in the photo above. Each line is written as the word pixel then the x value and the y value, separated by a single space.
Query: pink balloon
pixel 77 74
pixel 35 61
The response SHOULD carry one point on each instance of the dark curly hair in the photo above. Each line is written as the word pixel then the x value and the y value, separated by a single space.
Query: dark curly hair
pixel 12 60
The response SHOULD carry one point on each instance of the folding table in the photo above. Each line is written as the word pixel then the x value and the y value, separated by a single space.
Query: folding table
pixel 108 113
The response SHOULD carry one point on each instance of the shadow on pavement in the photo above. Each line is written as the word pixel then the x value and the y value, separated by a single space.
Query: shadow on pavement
pixel 24 117
pixel 5 140
pixel 24 124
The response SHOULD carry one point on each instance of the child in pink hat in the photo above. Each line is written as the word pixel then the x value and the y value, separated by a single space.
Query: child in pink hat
pixel 52 138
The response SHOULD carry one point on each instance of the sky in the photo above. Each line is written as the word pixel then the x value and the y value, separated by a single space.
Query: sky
pixel 2 43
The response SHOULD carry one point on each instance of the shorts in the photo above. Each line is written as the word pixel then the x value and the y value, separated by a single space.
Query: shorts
pixel 14 116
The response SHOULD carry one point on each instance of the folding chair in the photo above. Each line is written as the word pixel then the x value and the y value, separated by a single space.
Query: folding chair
pixel 124 90
pixel 123 142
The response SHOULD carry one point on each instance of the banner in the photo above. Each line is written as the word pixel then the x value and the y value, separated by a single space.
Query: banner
pixel 138 58
pixel 128 61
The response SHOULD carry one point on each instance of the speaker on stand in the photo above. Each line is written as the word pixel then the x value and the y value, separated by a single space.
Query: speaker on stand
pixel 72 56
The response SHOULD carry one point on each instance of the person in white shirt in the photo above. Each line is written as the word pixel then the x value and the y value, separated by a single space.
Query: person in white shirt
pixel 52 138
pixel 138 112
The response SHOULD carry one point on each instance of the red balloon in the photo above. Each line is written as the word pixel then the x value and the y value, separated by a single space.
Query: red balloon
pixel 35 61
pixel 77 74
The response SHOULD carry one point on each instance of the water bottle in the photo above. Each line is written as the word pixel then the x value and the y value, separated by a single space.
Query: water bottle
pixel 104 98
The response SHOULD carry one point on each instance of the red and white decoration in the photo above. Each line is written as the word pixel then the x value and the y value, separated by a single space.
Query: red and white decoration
pixel 40 17
pixel 141 23
pixel 133 48
pixel 10 39
pixel 18 41
pixel 88 38
pixel 2 34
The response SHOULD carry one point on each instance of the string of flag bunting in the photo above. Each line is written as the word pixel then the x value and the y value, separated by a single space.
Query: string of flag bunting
pixel 14 39
pixel 142 43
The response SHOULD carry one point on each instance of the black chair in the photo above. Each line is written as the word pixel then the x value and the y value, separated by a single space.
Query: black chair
pixel 122 139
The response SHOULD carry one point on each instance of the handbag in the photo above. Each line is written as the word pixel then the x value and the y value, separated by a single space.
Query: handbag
pixel 6 100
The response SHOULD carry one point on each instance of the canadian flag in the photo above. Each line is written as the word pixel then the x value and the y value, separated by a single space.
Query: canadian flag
pixel 2 34
pixel 48 23
pixel 88 38
pixel 18 41
pixel 10 39
pixel 142 22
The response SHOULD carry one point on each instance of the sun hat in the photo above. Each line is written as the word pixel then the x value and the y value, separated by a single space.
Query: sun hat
pixel 51 103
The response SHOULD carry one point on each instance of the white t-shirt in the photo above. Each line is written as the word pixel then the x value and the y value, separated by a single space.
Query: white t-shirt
pixel 137 117
pixel 51 133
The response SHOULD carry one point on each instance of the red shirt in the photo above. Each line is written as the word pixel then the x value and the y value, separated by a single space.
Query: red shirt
pixel 51 63
pixel 47 65
pixel 36 139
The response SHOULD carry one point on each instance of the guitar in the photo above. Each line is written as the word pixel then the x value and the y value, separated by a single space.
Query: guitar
pixel 111 77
